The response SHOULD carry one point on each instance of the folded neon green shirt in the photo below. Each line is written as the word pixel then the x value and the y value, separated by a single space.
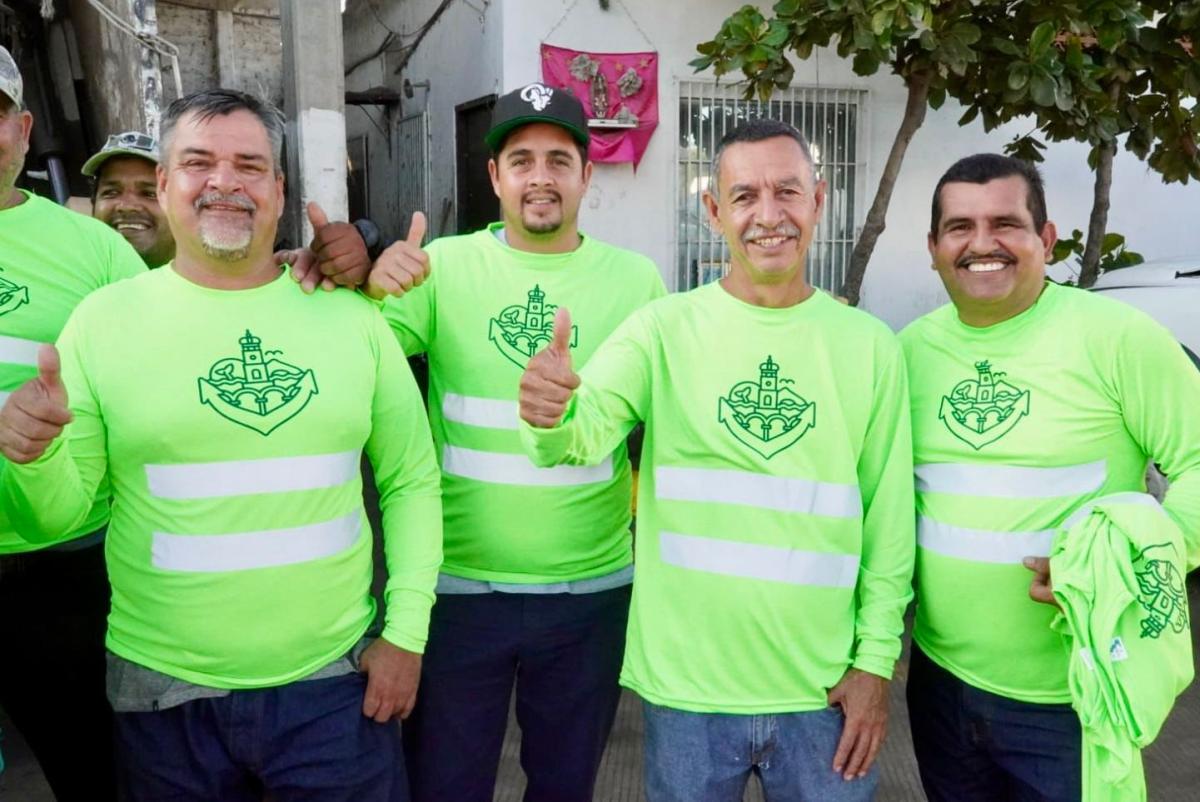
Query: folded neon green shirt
pixel 1118 570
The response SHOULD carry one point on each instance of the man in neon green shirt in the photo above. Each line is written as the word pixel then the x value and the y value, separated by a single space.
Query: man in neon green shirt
pixel 229 411
pixel 53 601
pixel 535 586
pixel 1029 399
pixel 775 539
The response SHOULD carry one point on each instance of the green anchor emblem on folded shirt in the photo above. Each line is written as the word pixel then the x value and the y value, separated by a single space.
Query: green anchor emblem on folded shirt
pixel 982 410
pixel 766 415
pixel 519 332
pixel 1162 594
pixel 12 296
pixel 257 391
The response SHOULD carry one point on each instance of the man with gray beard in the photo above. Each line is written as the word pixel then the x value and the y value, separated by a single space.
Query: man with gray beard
pixel 229 411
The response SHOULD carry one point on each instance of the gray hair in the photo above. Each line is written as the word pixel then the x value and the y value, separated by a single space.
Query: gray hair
pixel 209 103
pixel 757 131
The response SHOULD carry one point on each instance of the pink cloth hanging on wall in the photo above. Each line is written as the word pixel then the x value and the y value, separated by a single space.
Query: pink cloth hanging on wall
pixel 610 145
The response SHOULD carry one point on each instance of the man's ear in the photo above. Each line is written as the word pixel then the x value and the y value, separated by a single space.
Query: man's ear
pixel 494 174
pixel 1049 236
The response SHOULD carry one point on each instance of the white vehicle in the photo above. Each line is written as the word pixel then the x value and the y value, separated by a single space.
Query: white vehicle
pixel 1168 290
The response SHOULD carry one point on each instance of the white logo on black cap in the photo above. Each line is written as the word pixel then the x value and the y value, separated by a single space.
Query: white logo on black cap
pixel 537 95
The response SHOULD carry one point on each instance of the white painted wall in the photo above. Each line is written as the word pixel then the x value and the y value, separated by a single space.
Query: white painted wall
pixel 498 50
pixel 460 57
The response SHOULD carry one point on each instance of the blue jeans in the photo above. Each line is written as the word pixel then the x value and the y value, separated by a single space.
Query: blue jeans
pixel 307 741
pixel 708 757
pixel 975 746
pixel 562 652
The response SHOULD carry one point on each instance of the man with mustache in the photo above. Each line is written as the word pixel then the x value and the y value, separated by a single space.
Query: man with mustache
pixel 1029 399
pixel 535 586
pixel 775 539
pixel 54 598
pixel 230 411
pixel 125 196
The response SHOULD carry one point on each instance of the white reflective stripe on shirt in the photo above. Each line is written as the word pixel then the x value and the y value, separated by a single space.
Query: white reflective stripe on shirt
pixel 982 545
pixel 756 561
pixel 262 549
pixel 4 397
pixel 1141 499
pixel 516 469
pixel 247 477
pixel 1010 481
pixel 757 490
pixel 16 351
pixel 490 413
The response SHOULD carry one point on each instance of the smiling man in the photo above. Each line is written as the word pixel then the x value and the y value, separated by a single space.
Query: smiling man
pixel 230 410
pixel 535 587
pixel 125 194
pixel 1029 399
pixel 775 539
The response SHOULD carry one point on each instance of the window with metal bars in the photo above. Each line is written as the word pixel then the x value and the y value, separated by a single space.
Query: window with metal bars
pixel 833 121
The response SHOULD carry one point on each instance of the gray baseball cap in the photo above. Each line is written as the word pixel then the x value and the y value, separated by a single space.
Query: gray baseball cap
pixel 130 143
pixel 10 77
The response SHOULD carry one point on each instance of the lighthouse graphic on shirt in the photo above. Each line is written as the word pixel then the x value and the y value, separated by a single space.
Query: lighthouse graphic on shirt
pixel 257 390
pixel 520 331
pixel 767 415
pixel 982 410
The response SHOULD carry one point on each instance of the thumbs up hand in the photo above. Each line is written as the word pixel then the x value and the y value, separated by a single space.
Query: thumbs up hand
pixel 337 255
pixel 36 412
pixel 403 265
pixel 549 382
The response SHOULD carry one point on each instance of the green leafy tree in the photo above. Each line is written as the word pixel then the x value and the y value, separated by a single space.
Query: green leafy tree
pixel 1086 70
pixel 1092 72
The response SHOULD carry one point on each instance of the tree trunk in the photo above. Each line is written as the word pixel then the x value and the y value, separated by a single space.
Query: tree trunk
pixel 914 116
pixel 1089 266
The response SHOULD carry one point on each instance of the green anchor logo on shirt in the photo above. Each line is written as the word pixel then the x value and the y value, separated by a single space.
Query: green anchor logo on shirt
pixel 12 296
pixel 765 415
pixel 1161 594
pixel 256 391
pixel 519 332
pixel 982 410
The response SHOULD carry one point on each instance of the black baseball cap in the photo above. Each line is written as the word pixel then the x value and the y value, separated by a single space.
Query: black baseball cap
pixel 537 103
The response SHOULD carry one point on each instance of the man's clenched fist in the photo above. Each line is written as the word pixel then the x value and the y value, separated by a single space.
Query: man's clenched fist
pixel 36 412
pixel 548 382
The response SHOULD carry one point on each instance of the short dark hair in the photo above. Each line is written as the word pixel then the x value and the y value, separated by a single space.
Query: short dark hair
pixel 209 103
pixel 984 167
pixel 581 148
pixel 757 131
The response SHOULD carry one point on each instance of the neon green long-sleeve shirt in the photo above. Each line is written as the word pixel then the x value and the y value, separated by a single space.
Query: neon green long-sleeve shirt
pixel 1015 426
pixel 1118 573
pixel 775 529
pixel 231 425
pixel 485 308
pixel 51 258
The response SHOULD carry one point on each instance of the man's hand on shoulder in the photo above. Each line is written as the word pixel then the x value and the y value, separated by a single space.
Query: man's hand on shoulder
pixel 337 255
pixel 402 266
pixel 36 412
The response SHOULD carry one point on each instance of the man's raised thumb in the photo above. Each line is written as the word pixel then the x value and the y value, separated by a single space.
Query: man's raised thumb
pixel 317 216
pixel 50 372
pixel 562 332
pixel 416 230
